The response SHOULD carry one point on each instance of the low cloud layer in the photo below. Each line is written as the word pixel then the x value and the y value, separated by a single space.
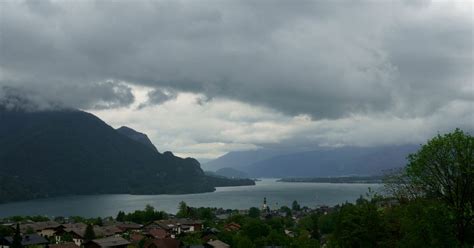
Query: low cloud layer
pixel 358 65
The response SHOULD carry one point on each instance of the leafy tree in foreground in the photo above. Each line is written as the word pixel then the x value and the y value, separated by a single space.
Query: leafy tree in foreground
pixel 89 234
pixel 444 169
pixel 17 238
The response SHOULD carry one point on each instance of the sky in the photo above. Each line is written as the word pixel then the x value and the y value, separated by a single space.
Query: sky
pixel 202 78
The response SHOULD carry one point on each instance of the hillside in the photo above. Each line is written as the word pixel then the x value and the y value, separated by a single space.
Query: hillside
pixel 333 162
pixel 321 162
pixel 67 152
pixel 137 136
pixel 240 159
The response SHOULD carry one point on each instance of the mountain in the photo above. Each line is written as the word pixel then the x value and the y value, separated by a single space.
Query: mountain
pixel 137 136
pixel 333 162
pixel 69 152
pixel 240 159
pixel 231 173
pixel 321 162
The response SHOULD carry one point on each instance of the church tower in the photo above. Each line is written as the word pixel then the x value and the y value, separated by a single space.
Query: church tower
pixel 264 207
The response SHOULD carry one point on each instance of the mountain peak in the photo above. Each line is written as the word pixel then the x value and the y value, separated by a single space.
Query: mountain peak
pixel 137 136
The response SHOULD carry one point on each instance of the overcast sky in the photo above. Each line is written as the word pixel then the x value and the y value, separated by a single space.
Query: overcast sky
pixel 206 77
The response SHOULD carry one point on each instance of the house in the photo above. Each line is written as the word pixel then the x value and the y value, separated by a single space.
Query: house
pixel 158 233
pixel 106 231
pixel 76 230
pixel 112 242
pixel 45 229
pixel 4 243
pixel 29 240
pixel 163 243
pixel 232 227
pixel 135 238
pixel 128 226
pixel 178 226
pixel 216 244
pixel 64 245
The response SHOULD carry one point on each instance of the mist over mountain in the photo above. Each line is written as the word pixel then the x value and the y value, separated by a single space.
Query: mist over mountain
pixel 324 162
pixel 68 152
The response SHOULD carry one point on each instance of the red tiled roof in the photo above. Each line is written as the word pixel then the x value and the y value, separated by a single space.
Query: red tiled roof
pixel 158 233
pixel 163 243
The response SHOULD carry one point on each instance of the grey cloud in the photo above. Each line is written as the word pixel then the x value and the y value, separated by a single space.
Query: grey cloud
pixel 326 59
pixel 159 96
pixel 102 95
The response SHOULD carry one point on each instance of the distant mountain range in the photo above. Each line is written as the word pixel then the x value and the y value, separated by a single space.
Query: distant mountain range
pixel 323 162
pixel 68 152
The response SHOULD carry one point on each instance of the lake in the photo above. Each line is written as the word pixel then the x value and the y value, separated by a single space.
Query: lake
pixel 244 197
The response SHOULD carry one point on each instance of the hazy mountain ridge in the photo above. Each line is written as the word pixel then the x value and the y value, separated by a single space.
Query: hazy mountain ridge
pixel 325 162
pixel 67 152
pixel 240 159
pixel 231 173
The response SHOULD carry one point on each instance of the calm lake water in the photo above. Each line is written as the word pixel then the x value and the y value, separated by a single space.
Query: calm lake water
pixel 277 193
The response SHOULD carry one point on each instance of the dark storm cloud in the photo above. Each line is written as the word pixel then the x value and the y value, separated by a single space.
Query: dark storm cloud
pixel 32 97
pixel 323 58
pixel 159 96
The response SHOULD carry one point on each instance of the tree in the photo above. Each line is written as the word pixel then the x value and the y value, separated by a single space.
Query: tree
pixel 66 237
pixel 444 169
pixel 295 206
pixel 286 210
pixel 99 221
pixel 254 212
pixel 6 231
pixel 310 224
pixel 89 234
pixel 120 216
pixel 255 228
pixel 183 210
pixel 17 238
pixel 30 230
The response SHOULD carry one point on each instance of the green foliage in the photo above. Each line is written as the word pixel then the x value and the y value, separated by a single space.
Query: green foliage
pixel 147 215
pixel 359 225
pixel 17 238
pixel 66 237
pixel 426 224
pixel 99 221
pixel 295 206
pixel 444 169
pixel 6 231
pixel 286 210
pixel 255 228
pixel 310 224
pixel 254 212
pixel 304 241
pixel 241 241
pixel 120 216
pixel 327 223
pixel 191 239
pixel 30 230
pixel 89 233
pixel 183 210
pixel 276 238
